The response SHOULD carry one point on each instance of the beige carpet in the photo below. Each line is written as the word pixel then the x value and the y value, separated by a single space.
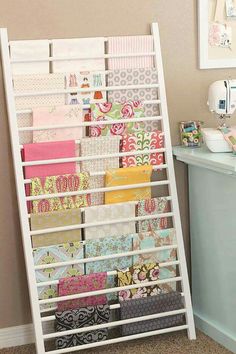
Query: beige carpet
pixel 174 343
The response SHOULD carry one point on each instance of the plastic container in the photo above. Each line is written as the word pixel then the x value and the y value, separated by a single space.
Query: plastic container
pixel 190 133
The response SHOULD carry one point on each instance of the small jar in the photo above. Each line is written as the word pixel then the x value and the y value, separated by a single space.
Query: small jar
pixel 190 133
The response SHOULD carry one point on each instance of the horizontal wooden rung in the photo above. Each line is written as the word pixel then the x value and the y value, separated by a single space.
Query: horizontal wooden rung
pixel 83 57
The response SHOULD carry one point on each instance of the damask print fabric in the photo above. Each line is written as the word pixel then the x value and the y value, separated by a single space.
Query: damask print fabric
pixel 81 284
pixel 153 239
pixel 109 246
pixel 115 111
pixel 47 292
pixel 58 253
pixel 79 318
pixel 128 176
pixel 102 213
pixel 84 80
pixel 60 184
pixel 149 306
pixel 152 206
pixel 103 145
pixel 53 254
pixel 138 274
pixel 58 115
pixel 141 141
pixel 139 76
pixel 51 219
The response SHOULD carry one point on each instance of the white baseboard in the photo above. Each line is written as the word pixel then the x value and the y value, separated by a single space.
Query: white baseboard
pixel 215 332
pixel 21 335
pixel 14 336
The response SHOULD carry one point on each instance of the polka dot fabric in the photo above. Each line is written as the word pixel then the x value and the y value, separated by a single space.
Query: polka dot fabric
pixel 136 77
pixel 36 83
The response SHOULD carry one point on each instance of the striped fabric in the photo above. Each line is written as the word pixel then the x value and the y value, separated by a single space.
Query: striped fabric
pixel 130 44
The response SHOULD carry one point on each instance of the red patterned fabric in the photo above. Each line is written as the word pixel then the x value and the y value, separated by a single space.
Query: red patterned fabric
pixel 139 141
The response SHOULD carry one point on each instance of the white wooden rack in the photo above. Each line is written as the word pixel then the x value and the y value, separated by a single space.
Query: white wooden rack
pixel 40 316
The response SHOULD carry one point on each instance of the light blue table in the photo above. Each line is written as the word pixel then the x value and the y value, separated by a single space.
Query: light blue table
pixel 212 200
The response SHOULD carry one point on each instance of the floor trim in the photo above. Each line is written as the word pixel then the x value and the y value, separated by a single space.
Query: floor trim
pixel 215 332
pixel 21 335
pixel 18 335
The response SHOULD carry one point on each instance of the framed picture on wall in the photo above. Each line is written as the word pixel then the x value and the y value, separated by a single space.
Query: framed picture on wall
pixel 217 33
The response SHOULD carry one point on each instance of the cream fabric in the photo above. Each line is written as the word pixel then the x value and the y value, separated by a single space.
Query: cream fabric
pixel 106 213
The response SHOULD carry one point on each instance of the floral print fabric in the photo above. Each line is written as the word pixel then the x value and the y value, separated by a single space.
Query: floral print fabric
pixel 82 284
pixel 127 176
pixel 107 246
pixel 60 184
pixel 115 111
pixel 158 238
pixel 138 274
pixel 136 76
pixel 140 141
pixel 150 207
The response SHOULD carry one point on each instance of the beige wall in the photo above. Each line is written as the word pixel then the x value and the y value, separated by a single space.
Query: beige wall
pixel 186 91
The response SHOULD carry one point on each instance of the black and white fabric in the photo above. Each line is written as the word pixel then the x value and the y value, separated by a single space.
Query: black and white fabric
pixel 82 317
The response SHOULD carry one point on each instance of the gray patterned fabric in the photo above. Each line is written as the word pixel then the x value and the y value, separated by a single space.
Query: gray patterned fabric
pixel 135 77
pixel 148 306
pixel 82 317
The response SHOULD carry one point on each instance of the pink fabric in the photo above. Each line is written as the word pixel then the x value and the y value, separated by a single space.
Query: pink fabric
pixel 48 151
pixel 60 115
pixel 82 284
pixel 130 44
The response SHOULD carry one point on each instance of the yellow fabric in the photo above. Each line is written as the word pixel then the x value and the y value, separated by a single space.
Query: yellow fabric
pixel 124 176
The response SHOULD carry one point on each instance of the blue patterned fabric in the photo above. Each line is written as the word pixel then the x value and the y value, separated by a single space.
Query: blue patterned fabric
pixel 54 254
pixel 107 246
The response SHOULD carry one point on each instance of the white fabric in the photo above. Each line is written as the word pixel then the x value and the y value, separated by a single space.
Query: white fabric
pixel 78 47
pixel 30 49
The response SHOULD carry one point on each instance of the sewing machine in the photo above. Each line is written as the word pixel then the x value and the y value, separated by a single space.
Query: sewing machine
pixel 221 102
